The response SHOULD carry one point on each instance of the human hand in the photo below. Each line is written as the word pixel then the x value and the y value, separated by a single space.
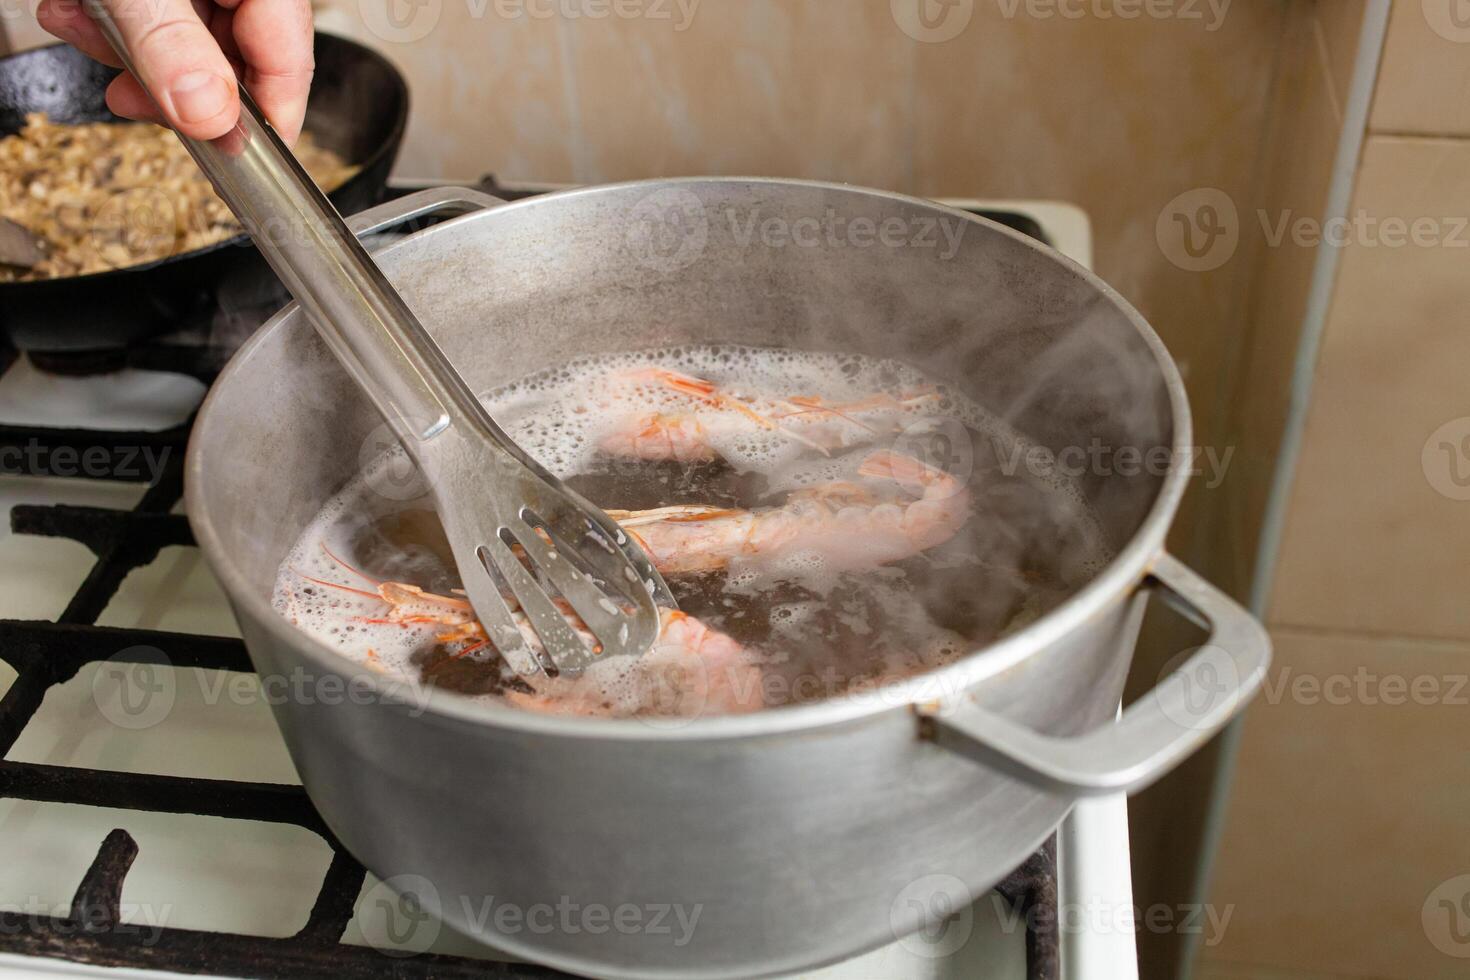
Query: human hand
pixel 190 54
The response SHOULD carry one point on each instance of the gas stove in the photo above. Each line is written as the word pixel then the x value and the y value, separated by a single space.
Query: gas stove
pixel 151 822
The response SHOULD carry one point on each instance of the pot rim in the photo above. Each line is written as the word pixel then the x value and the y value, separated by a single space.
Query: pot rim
pixel 1116 582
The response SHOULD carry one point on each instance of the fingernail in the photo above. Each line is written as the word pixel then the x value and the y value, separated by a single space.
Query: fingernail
pixel 199 96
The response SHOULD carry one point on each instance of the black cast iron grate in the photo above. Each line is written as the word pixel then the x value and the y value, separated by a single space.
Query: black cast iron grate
pixel 45 654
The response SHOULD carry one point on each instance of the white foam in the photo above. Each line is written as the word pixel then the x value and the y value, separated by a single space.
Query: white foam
pixel 565 416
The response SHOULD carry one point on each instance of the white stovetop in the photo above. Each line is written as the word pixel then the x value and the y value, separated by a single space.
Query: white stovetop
pixel 258 878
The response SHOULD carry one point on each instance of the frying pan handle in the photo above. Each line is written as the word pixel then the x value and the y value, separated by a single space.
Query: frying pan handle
pixel 1155 733
pixel 420 204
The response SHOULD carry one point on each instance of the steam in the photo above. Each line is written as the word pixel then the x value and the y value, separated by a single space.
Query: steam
pixel 810 620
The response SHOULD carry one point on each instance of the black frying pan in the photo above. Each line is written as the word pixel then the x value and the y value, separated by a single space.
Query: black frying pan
pixel 358 107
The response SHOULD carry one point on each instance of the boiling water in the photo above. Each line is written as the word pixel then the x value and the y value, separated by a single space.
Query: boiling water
pixel 812 621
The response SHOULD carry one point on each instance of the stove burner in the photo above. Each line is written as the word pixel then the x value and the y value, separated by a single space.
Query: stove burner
pixel 47 654
pixel 79 363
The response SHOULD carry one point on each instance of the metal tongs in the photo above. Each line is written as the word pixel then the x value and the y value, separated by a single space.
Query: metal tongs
pixel 527 547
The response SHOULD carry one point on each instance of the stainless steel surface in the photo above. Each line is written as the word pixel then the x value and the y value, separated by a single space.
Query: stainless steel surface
pixel 19 246
pixel 800 835
pixel 491 497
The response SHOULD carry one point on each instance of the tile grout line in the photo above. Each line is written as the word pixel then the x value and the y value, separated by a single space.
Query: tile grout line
pixel 1371 635
pixel 1409 135
pixel 1349 153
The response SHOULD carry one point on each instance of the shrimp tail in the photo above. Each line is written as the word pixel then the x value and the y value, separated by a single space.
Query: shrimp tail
pixel 905 470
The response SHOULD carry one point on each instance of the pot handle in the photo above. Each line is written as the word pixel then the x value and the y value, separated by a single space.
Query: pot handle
pixel 419 204
pixel 1155 733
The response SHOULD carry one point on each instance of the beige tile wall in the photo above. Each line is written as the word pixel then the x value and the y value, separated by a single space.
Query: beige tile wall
pixel 1350 821
pixel 1117 115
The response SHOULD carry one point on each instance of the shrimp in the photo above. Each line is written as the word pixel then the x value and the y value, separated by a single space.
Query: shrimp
pixel 691 669
pixel 716 416
pixel 850 525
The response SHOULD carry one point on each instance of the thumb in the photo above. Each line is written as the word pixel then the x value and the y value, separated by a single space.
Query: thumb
pixel 179 63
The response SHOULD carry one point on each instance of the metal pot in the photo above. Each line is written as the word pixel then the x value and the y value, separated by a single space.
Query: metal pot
pixel 798 835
